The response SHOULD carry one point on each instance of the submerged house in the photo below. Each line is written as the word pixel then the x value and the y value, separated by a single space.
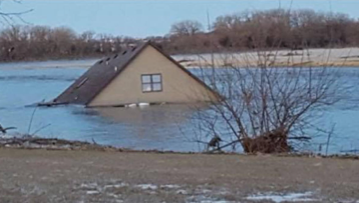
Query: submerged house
pixel 141 74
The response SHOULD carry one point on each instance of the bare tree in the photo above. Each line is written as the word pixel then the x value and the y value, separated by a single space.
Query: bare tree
pixel 263 106
pixel 19 42
pixel 294 29
pixel 187 27
pixel 62 39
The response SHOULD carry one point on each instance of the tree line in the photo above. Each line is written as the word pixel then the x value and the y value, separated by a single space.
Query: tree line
pixel 277 28
pixel 42 43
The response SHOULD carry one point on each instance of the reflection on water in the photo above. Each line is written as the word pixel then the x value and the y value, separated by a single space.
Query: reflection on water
pixel 147 116
pixel 158 126
pixel 166 127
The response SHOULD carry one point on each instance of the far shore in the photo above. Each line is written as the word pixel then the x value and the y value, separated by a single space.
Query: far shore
pixel 335 57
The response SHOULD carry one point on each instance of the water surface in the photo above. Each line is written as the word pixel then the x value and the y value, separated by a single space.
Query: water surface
pixel 165 127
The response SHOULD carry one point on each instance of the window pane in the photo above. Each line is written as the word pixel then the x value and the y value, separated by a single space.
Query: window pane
pixel 157 87
pixel 146 87
pixel 146 78
pixel 156 78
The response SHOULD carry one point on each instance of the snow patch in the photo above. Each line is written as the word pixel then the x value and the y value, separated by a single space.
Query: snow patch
pixel 89 186
pixel 223 191
pixel 205 191
pixel 203 199
pixel 120 185
pixel 215 201
pixel 181 192
pixel 92 192
pixel 131 105
pixel 349 201
pixel 170 186
pixel 143 104
pixel 290 197
pixel 113 195
pixel 147 186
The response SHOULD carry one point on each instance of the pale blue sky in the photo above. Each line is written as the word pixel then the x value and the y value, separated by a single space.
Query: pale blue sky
pixel 139 18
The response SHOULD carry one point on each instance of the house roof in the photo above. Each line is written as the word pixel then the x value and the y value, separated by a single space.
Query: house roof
pixel 90 84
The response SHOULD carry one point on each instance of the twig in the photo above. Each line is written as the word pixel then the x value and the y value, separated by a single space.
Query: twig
pixel 299 138
pixel 41 128
pixel 228 144
pixel 328 140
pixel 93 140
pixel 31 119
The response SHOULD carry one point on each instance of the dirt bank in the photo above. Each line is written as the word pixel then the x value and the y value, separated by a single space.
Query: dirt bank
pixel 95 176
pixel 338 57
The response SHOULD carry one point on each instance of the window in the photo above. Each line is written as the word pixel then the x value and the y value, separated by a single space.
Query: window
pixel 151 82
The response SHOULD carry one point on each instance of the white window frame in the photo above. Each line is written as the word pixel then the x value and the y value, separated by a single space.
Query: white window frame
pixel 151 83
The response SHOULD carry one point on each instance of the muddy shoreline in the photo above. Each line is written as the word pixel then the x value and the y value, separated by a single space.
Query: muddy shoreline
pixel 33 143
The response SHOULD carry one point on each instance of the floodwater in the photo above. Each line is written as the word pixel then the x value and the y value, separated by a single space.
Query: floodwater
pixel 155 127
pixel 166 127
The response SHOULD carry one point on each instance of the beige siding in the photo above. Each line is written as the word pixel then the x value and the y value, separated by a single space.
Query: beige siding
pixel 178 87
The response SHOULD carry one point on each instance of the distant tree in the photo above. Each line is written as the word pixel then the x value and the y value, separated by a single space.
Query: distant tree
pixel 62 38
pixel 230 30
pixel 276 28
pixel 187 27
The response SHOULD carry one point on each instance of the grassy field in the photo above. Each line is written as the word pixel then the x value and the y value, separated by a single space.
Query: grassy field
pixel 94 176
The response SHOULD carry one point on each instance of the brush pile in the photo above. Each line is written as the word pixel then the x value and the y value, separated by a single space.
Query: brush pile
pixel 273 142
pixel 30 142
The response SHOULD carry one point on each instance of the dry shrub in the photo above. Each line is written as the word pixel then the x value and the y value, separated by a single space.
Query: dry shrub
pixel 274 142
pixel 262 105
